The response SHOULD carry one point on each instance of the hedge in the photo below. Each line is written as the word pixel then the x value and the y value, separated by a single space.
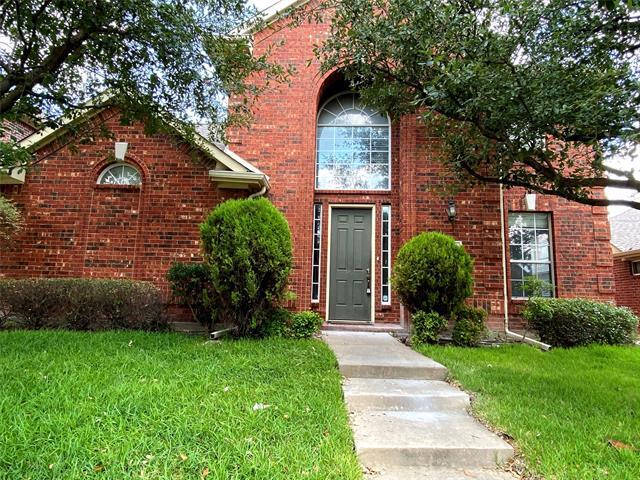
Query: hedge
pixel 577 321
pixel 80 304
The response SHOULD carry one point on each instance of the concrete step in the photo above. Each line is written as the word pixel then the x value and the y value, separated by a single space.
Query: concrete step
pixel 398 394
pixel 379 355
pixel 394 328
pixel 425 439
pixel 420 473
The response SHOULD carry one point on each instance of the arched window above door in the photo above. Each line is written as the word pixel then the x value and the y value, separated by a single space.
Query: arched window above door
pixel 352 146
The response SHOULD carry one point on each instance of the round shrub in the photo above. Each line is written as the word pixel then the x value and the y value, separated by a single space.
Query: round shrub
pixel 426 327
pixel 304 324
pixel 433 273
pixel 191 285
pixel 570 322
pixel 469 327
pixel 276 323
pixel 247 245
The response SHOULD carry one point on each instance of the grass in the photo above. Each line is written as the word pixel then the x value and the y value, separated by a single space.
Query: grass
pixel 562 407
pixel 119 405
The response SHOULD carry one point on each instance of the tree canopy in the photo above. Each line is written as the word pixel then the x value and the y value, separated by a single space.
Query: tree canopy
pixel 157 59
pixel 526 93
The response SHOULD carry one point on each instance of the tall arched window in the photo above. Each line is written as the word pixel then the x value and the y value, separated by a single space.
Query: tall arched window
pixel 352 146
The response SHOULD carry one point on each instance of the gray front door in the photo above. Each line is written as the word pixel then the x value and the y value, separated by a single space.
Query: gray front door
pixel 350 263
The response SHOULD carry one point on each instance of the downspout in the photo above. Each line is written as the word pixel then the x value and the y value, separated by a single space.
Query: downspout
pixel 505 291
pixel 259 193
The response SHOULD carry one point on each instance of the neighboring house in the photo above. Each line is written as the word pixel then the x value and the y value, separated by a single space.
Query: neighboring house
pixel 353 185
pixel 625 241
pixel 12 131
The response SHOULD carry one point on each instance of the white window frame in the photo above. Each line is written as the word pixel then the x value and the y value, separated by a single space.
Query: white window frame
pixel 317 217
pixel 108 168
pixel 318 124
pixel 384 252
pixel 635 268
pixel 538 262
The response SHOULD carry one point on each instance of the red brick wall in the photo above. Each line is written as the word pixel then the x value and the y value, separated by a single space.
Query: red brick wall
pixel 76 228
pixel 281 142
pixel 14 130
pixel 627 286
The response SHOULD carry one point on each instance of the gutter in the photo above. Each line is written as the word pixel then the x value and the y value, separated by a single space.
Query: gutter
pixel 628 255
pixel 240 179
pixel 259 193
pixel 505 291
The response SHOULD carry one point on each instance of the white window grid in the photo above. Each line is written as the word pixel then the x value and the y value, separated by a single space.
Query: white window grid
pixel 534 262
pixel 316 252
pixel 385 255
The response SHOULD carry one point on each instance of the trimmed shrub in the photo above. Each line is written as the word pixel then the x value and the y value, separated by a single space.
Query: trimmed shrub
pixel 276 323
pixel 191 285
pixel 11 221
pixel 282 323
pixel 304 324
pixel 469 327
pixel 571 322
pixel 247 246
pixel 433 273
pixel 426 327
pixel 81 304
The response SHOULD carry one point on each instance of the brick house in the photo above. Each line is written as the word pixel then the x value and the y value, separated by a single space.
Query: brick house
pixel 625 242
pixel 353 185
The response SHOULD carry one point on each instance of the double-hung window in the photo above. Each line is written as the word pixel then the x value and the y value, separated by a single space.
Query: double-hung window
pixel 530 252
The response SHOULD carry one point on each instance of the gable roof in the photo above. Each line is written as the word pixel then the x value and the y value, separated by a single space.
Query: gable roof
pixel 270 14
pixel 226 160
pixel 625 230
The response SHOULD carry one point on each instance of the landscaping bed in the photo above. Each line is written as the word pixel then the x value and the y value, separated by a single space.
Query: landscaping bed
pixel 167 406
pixel 574 413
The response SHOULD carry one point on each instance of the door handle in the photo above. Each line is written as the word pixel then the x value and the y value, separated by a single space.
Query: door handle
pixel 368 282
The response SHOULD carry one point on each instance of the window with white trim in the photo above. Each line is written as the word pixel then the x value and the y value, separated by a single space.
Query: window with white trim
pixel 385 255
pixel 530 251
pixel 120 174
pixel 635 268
pixel 315 262
pixel 353 146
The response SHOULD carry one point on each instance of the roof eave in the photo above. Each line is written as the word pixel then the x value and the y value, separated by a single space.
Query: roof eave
pixel 628 255
pixel 239 180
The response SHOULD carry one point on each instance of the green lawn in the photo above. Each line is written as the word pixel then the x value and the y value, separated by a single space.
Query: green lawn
pixel 166 406
pixel 562 407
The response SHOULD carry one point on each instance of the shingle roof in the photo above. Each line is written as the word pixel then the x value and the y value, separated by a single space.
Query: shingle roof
pixel 625 230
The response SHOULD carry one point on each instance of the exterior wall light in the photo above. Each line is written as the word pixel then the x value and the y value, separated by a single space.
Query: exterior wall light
pixel 451 210
pixel 121 150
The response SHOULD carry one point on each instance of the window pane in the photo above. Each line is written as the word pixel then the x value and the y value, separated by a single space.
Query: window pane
pixel 517 289
pixel 347 157
pixel 530 240
pixel 516 271
pixel 542 220
pixel 315 258
pixel 120 174
pixel 382 144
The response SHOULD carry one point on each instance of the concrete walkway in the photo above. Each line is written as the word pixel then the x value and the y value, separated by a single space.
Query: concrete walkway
pixel 408 423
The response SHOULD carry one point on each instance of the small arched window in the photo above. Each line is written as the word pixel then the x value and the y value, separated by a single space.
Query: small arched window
pixel 352 146
pixel 120 174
